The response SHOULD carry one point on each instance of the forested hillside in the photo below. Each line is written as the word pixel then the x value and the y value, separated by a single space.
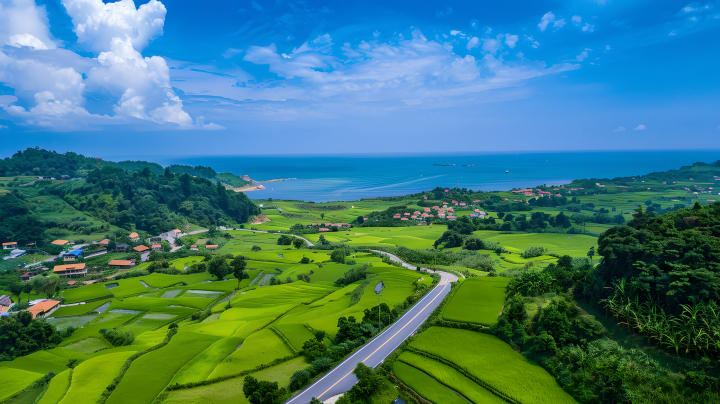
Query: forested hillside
pixel 115 194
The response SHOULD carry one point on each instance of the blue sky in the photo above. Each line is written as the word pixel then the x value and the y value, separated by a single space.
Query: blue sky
pixel 275 77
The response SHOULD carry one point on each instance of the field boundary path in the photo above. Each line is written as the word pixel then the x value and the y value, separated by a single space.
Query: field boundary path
pixel 340 379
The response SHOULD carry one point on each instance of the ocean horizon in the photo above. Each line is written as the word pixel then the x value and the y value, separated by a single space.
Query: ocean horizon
pixel 348 177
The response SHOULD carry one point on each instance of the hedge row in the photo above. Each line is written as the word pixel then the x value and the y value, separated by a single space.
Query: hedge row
pixel 410 394
pixel 284 339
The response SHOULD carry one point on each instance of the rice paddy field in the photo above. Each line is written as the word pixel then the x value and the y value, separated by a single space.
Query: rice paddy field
pixel 416 237
pixel 498 368
pixel 253 326
pixel 477 300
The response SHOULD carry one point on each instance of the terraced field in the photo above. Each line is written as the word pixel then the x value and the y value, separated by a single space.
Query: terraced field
pixel 254 326
pixel 478 300
pixel 511 374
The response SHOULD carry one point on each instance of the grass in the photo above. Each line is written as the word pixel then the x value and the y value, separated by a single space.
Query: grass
pixel 15 380
pixel 575 245
pixel 478 300
pixel 78 309
pixel 88 345
pixel 150 373
pixel 90 378
pixel 425 385
pixel 297 334
pixel 230 391
pixel 511 373
pixel 417 237
pixel 58 388
pixel 72 321
pixel 261 347
pixel 449 377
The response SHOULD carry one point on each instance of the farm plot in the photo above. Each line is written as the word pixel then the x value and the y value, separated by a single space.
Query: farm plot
pixel 79 309
pixel 90 378
pixel 261 347
pixel 297 334
pixel 555 243
pixel 150 373
pixel 478 300
pixel 417 237
pixel 426 386
pixel 447 376
pixel 57 389
pixel 88 346
pixel 511 374
pixel 15 380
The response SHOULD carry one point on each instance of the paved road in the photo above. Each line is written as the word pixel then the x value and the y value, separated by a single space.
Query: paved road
pixel 408 266
pixel 340 379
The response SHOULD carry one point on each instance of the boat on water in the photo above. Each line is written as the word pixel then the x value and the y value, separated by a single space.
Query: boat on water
pixel 445 165
pixel 468 165
pixel 506 171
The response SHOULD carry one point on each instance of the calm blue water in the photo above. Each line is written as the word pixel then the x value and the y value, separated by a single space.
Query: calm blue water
pixel 350 177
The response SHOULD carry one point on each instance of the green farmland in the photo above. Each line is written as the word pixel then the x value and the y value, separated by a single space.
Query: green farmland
pixel 477 300
pixel 510 375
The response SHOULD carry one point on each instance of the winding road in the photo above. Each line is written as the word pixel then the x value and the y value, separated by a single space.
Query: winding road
pixel 340 379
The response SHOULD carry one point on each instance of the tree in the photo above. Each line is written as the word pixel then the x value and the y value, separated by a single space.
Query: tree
pixel 238 265
pixel 16 289
pixel 299 379
pixel 313 349
pixel 298 242
pixel 338 255
pixel 261 391
pixel 322 216
pixel 27 288
pixel 218 267
pixel 72 363
pixel 255 248
pixel 591 253
pixel 284 240
pixel 315 401
pixel 45 284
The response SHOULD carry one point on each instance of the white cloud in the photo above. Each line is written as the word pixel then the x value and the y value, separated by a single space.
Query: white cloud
pixel 51 84
pixel 588 27
pixel 3 127
pixel 367 76
pixel 545 20
pixel 473 42
pixel 576 19
pixel 492 45
pixel 376 33
pixel 559 23
pixel 640 127
pixel 607 47
pixel 511 40
pixel 456 32
pixel 22 23
pixel 97 24
pixel 582 56
pixel 619 129
pixel 29 40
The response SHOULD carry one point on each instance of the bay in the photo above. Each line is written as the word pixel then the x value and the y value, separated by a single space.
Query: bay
pixel 347 177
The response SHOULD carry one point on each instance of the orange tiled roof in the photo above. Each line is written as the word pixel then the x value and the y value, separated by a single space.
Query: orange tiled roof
pixel 68 267
pixel 43 307
pixel 121 263
pixel 60 242
pixel 141 248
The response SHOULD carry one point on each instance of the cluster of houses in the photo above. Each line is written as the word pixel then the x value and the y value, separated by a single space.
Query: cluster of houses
pixel 443 212
pixel 325 227
pixel 540 193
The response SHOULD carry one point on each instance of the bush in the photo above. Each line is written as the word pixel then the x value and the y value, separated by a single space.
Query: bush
pixel 305 260
pixel 533 251
pixel 299 379
pixel 255 248
pixel 117 338
pixel 351 262
pixel 322 364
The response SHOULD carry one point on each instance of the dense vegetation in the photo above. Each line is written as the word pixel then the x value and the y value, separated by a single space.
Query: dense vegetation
pixel 21 335
pixel 134 200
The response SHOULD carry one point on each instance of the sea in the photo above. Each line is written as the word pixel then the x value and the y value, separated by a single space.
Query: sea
pixel 350 177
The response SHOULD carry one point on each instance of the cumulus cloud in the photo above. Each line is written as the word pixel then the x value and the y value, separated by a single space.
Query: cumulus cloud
pixel 492 45
pixel 559 23
pixel 588 27
pixel 511 40
pixel 582 56
pixel 456 32
pixel 619 129
pixel 473 42
pixel 545 20
pixel 640 127
pixel 576 20
pixel 52 85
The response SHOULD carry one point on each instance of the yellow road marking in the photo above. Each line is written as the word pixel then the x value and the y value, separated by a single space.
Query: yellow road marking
pixel 388 340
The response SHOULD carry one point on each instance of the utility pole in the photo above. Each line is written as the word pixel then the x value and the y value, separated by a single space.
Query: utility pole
pixel 378 288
